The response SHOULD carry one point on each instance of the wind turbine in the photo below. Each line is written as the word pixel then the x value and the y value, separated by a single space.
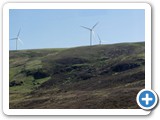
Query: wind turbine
pixel 17 39
pixel 91 31
pixel 100 41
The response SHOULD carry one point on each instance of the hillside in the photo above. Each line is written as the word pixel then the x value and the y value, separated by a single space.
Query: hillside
pixel 100 76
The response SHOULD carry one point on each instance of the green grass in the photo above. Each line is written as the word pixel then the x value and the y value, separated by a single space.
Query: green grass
pixel 13 72
pixel 34 64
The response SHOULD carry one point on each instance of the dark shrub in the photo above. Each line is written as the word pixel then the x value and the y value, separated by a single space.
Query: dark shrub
pixel 124 67
pixel 15 83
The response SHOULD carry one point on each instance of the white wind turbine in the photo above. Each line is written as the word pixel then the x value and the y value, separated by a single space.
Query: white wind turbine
pixel 17 39
pixel 100 41
pixel 91 31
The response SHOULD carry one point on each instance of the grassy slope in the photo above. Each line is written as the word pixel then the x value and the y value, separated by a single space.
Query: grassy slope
pixel 101 76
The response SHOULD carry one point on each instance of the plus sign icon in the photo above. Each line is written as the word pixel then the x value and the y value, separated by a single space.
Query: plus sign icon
pixel 147 99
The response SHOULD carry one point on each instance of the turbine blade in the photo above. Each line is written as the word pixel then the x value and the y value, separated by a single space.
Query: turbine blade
pixel 20 41
pixel 94 34
pixel 95 25
pixel 19 32
pixel 13 39
pixel 100 41
pixel 99 37
pixel 86 28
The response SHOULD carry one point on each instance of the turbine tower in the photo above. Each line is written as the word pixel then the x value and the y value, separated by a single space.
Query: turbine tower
pixel 91 31
pixel 17 39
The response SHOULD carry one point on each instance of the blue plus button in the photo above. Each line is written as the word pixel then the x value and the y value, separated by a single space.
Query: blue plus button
pixel 147 99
